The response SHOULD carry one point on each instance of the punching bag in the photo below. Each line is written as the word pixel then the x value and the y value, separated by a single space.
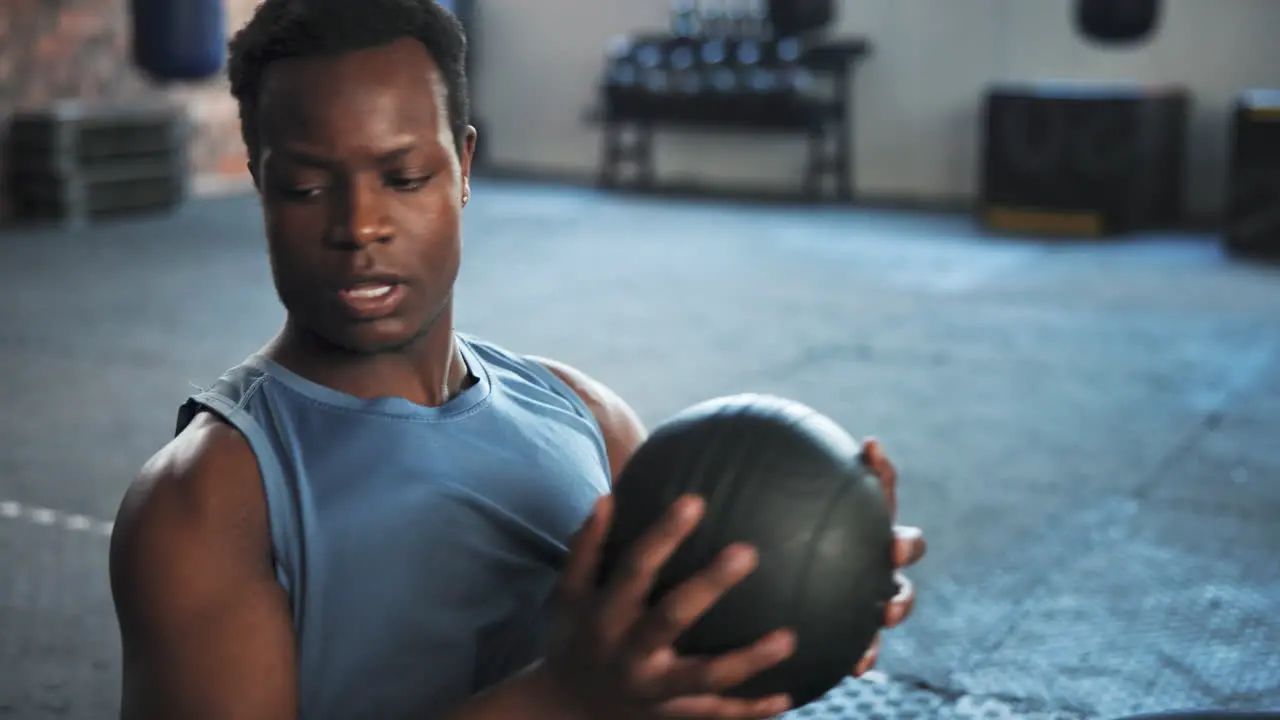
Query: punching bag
pixel 789 481
pixel 179 40
pixel 1117 21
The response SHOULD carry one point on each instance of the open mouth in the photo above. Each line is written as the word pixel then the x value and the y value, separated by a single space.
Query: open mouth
pixel 371 299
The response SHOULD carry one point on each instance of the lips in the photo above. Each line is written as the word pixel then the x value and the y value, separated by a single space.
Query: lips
pixel 372 299
pixel 366 292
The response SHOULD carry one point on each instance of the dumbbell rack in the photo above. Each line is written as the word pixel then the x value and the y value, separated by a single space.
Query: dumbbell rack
pixel 73 165
pixel 727 72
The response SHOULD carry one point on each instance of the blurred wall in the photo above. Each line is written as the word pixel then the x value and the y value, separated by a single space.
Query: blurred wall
pixel 918 98
pixel 54 50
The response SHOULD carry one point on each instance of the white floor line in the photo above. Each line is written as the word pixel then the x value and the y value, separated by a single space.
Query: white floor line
pixel 12 510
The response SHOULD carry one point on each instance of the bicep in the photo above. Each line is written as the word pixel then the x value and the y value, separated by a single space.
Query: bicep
pixel 220 661
pixel 205 629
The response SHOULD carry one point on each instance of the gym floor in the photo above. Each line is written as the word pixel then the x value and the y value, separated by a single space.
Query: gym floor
pixel 1081 428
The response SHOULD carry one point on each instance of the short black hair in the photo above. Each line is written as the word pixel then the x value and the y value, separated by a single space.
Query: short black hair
pixel 282 29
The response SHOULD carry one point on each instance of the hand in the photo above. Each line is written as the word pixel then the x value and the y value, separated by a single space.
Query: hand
pixel 908 547
pixel 612 654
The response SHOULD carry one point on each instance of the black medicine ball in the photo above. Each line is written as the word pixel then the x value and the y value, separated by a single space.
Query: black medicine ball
pixel 789 481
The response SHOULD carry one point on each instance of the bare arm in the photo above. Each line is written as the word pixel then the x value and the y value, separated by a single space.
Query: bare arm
pixel 622 428
pixel 204 625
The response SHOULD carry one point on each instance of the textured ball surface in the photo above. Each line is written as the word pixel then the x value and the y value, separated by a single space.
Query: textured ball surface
pixel 780 476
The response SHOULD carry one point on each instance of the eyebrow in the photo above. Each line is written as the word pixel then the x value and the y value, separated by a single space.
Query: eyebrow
pixel 309 158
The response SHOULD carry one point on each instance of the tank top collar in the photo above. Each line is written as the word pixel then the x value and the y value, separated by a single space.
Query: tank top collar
pixel 461 405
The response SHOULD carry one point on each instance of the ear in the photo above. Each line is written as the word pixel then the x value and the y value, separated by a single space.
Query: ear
pixel 464 160
pixel 468 149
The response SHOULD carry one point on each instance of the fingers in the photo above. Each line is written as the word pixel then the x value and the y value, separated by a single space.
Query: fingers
pixel 900 606
pixel 737 667
pixel 578 578
pixel 869 658
pixel 873 456
pixel 896 611
pixel 909 545
pixel 693 682
pixel 712 675
pixel 714 706
pixel 660 673
pixel 700 679
pixel 632 581
pixel 682 607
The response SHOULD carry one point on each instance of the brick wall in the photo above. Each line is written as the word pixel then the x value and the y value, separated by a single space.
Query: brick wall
pixel 53 50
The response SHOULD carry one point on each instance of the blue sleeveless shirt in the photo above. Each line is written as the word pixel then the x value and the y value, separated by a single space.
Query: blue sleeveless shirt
pixel 419 546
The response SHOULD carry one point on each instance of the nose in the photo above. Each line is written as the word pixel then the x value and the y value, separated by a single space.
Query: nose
pixel 361 220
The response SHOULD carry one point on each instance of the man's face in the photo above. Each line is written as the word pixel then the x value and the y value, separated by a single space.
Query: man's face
pixel 362 194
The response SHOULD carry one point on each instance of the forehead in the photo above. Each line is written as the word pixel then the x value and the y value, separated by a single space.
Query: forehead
pixel 392 88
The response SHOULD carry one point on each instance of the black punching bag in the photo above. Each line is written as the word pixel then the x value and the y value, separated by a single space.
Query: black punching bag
pixel 1117 21
pixel 789 481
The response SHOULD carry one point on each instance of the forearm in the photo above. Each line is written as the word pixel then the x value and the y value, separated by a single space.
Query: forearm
pixel 529 695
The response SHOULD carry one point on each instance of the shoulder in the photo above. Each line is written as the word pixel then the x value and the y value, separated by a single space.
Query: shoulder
pixel 608 408
pixel 198 499
pixel 204 627
pixel 207 472
pixel 604 403
pixel 619 423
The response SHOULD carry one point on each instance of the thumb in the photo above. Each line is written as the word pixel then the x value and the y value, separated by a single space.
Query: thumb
pixel 875 460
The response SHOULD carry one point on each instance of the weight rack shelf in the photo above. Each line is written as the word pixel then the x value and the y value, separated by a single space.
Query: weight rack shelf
pixel 73 165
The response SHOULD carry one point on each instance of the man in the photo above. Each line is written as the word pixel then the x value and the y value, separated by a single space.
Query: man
pixel 369 518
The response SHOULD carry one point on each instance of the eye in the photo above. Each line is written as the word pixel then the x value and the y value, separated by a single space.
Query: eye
pixel 300 194
pixel 406 183
pixel 298 187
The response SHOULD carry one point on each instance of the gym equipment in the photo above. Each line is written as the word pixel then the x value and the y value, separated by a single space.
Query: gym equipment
pixel 73 165
pixel 799 17
pixel 1253 205
pixel 1082 158
pixel 179 40
pixel 784 478
pixel 1117 21
pixel 635 75
pixel 725 83
pixel 755 23
pixel 755 67
pixel 759 19
pixel 686 79
pixel 685 19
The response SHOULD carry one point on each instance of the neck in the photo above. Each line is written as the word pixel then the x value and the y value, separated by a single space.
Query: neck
pixel 429 371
